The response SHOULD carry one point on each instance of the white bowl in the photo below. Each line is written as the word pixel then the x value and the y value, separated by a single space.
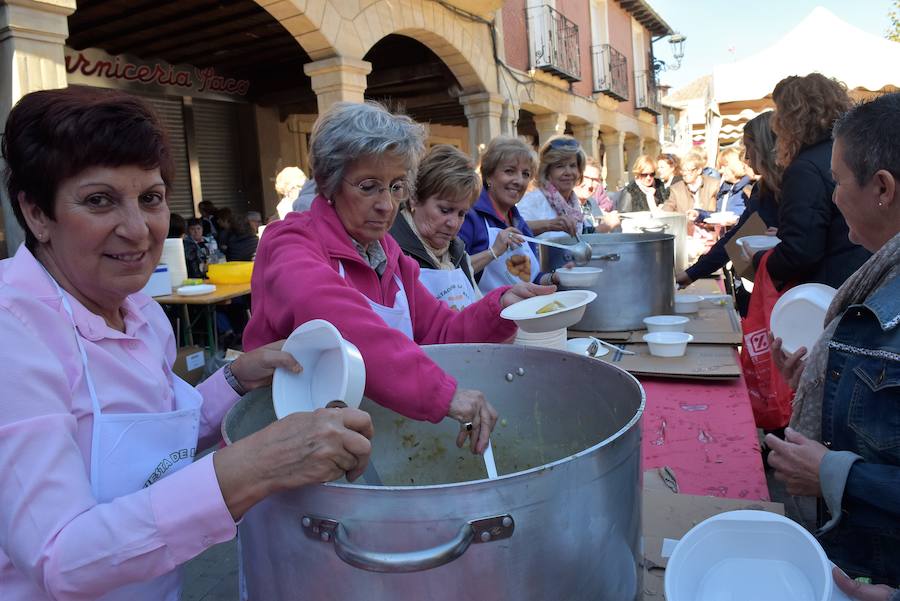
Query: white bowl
pixel 525 314
pixel 576 277
pixel 798 317
pixel 579 346
pixel 667 344
pixel 333 370
pixel 687 303
pixel 666 323
pixel 744 555
pixel 755 244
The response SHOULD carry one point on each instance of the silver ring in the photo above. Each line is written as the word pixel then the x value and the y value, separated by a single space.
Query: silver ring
pixel 467 426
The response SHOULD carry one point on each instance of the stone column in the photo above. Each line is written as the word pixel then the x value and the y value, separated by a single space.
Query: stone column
pixel 509 119
pixel 338 79
pixel 616 177
pixel 549 125
pixel 32 35
pixel 651 147
pixel 586 134
pixel 634 147
pixel 484 112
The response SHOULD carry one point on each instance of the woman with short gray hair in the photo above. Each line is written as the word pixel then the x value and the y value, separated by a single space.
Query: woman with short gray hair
pixel 337 262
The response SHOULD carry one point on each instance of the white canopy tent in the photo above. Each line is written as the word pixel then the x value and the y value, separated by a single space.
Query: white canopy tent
pixel 821 42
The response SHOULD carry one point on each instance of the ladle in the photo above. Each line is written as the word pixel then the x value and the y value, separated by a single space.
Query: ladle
pixel 580 251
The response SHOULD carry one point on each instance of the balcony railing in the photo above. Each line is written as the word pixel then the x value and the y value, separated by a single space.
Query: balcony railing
pixel 610 71
pixel 553 43
pixel 646 92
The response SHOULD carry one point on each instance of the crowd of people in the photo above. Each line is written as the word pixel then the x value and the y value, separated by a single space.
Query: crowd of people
pixel 397 247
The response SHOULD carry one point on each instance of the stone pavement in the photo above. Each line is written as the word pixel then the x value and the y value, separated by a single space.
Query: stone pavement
pixel 212 576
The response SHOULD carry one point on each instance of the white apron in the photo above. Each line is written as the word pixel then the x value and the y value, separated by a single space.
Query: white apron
pixel 496 273
pixel 450 286
pixel 396 317
pixel 130 451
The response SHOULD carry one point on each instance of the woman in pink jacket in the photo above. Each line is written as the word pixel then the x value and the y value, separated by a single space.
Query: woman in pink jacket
pixel 337 262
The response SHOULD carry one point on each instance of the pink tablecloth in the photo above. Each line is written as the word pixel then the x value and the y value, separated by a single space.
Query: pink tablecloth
pixel 704 432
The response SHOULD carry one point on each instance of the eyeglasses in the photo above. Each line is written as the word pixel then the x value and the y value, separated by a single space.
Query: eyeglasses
pixel 646 175
pixel 564 143
pixel 373 188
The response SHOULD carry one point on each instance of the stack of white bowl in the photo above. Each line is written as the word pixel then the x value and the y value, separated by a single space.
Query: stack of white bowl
pixel 173 257
pixel 555 339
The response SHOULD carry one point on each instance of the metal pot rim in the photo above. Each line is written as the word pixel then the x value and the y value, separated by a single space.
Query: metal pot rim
pixel 521 474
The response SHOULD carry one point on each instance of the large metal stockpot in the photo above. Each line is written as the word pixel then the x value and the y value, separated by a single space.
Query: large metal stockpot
pixel 638 279
pixel 644 222
pixel 562 522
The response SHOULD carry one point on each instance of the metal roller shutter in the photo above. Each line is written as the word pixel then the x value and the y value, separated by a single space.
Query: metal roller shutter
pixel 170 112
pixel 218 154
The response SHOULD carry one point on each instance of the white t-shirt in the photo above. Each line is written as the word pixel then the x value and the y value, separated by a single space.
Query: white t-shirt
pixel 535 206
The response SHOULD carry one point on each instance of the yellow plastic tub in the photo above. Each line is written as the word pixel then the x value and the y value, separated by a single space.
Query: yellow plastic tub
pixel 231 272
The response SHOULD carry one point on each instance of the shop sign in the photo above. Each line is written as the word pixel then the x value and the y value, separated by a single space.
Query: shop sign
pixel 96 65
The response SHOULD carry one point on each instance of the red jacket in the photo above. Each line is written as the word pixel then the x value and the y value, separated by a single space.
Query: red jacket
pixel 295 279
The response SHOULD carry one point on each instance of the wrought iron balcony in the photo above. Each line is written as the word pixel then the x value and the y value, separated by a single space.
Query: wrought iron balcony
pixel 610 71
pixel 646 92
pixel 553 43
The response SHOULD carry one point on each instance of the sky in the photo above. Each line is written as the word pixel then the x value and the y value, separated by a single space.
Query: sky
pixel 723 31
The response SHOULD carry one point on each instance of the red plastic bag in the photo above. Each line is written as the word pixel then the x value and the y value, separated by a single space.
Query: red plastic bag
pixel 770 395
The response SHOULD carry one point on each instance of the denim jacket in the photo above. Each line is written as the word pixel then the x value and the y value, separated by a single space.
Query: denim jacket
pixel 861 414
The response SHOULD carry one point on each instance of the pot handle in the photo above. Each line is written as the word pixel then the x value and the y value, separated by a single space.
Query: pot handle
pixel 610 257
pixel 656 229
pixel 483 530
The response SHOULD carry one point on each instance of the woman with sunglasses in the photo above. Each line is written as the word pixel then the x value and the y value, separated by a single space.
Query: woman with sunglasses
pixel 645 192
pixel 554 207
pixel 337 262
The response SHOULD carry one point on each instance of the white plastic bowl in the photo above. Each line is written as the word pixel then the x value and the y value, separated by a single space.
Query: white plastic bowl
pixel 749 555
pixel 687 303
pixel 666 323
pixel 667 344
pixel 525 314
pixel 577 277
pixel 333 370
pixel 755 244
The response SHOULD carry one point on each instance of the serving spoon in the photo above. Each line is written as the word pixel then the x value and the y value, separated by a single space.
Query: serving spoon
pixel 580 251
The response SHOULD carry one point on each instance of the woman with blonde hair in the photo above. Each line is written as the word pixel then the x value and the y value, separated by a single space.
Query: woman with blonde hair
pixel 645 192
pixel 554 206
pixel 814 242
pixel 427 227
pixel 492 226
pixel 288 183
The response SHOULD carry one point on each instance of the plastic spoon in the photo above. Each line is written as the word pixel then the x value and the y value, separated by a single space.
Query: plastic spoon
pixel 489 461
pixel 580 251
pixel 613 346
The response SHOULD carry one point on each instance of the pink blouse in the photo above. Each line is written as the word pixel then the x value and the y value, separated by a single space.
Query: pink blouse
pixel 56 541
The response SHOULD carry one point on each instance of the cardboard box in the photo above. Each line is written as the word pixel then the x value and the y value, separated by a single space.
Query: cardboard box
pixel 190 362
pixel 667 515
pixel 701 361
pixel 754 226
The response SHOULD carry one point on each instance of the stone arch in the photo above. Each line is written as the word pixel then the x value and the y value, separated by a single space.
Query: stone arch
pixel 463 46
pixel 328 28
pixel 306 22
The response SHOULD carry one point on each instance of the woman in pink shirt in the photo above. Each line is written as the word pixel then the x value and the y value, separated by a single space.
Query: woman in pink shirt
pixel 99 495
pixel 337 262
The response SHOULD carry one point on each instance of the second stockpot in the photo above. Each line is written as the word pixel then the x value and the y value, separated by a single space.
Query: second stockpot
pixel 561 522
pixel 637 279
